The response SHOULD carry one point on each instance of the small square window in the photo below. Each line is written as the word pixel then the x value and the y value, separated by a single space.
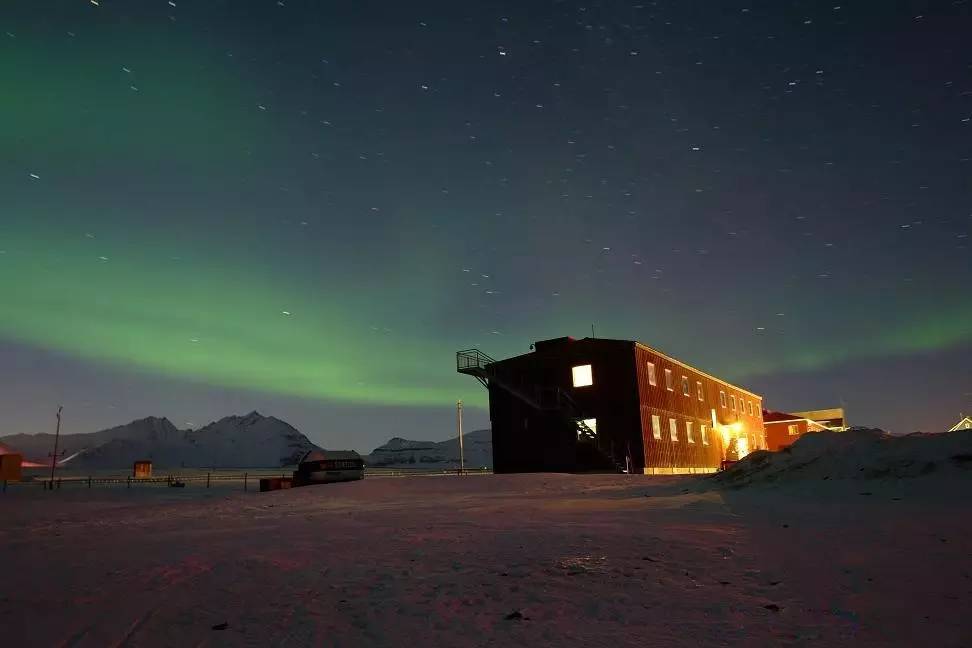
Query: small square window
pixel 698 388
pixel 652 380
pixel 685 386
pixel 705 438
pixel 656 426
pixel 722 398
pixel 583 376
pixel 688 431
pixel 673 428
pixel 792 430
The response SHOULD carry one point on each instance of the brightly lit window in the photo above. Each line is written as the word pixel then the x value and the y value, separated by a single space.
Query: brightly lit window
pixel 673 428
pixel 793 430
pixel 698 388
pixel 688 431
pixel 583 376
pixel 587 428
pixel 705 437
pixel 722 398
pixel 669 381
pixel 652 380
pixel 685 386
pixel 656 426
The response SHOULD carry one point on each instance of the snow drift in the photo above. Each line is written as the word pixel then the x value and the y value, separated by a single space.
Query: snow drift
pixel 858 454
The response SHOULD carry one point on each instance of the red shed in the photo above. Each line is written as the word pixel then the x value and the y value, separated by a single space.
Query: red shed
pixel 782 429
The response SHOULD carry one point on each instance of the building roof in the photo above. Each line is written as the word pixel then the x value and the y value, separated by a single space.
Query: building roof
pixel 823 414
pixel 964 424
pixel 552 344
pixel 769 416
pixel 329 455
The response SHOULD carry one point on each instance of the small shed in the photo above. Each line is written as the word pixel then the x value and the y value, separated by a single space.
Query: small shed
pixel 784 428
pixel 142 469
pixel 318 467
pixel 10 467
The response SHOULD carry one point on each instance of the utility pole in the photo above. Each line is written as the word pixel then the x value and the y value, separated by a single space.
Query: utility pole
pixel 462 458
pixel 57 437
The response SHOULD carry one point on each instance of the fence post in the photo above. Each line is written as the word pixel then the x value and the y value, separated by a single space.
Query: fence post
pixel 246 476
pixel 89 481
pixel 129 482
pixel 207 480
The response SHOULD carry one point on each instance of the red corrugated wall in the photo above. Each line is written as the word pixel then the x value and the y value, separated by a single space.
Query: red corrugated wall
pixel 680 455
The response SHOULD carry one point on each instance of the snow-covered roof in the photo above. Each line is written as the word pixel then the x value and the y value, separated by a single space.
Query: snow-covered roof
pixel 964 424
pixel 329 455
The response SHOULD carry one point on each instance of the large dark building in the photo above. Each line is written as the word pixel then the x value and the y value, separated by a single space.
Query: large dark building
pixel 594 404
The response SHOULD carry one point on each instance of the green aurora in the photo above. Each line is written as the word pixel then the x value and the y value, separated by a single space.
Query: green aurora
pixel 212 319
pixel 188 193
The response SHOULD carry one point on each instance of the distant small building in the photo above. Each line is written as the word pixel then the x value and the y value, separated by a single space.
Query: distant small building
pixel 10 467
pixel 317 467
pixel 142 469
pixel 964 424
pixel 783 428
pixel 832 418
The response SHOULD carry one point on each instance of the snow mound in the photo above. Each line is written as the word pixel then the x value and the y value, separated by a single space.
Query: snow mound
pixel 858 454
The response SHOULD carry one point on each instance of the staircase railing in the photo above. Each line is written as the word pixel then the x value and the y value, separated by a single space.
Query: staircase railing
pixel 546 398
pixel 472 359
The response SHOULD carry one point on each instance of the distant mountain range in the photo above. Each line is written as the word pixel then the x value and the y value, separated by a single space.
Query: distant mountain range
pixel 253 440
pixel 404 453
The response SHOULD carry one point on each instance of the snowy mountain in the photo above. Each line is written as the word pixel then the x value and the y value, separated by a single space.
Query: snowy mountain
pixel 398 452
pixel 37 446
pixel 253 440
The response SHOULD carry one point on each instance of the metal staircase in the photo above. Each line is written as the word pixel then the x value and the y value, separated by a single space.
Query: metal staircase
pixel 544 398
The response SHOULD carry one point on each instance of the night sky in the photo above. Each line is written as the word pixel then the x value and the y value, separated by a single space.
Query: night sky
pixel 305 208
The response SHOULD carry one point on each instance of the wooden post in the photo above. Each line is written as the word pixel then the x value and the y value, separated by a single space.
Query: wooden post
pixel 57 437
pixel 129 482
pixel 462 458
pixel 207 480
pixel 89 481
pixel 245 477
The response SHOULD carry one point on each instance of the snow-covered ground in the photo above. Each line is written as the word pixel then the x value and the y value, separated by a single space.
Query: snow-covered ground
pixel 500 560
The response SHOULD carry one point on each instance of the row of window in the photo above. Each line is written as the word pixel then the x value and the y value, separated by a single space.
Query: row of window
pixel 584 377
pixel 744 405
pixel 656 430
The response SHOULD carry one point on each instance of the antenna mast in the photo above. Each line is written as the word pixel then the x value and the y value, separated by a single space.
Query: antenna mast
pixel 57 437
pixel 462 458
